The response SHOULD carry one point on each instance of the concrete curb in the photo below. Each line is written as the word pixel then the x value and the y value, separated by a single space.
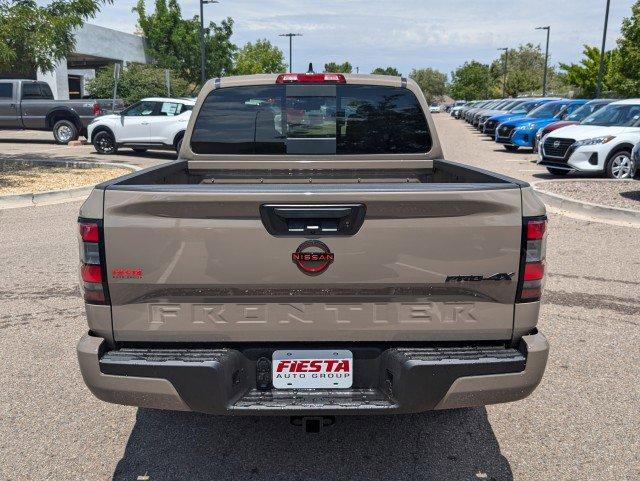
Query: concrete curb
pixel 585 208
pixel 57 196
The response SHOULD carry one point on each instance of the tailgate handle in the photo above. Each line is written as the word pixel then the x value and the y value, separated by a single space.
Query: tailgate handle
pixel 300 220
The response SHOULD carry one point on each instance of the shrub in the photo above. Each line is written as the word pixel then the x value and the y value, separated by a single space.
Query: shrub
pixel 136 82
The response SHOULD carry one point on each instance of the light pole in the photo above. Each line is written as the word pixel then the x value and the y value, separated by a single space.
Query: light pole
pixel 504 71
pixel 546 60
pixel 203 73
pixel 290 35
pixel 604 41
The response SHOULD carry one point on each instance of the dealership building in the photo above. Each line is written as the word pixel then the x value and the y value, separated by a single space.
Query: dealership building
pixel 95 47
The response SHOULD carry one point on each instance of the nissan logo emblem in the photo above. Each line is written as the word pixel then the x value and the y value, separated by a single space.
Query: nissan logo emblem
pixel 556 144
pixel 312 257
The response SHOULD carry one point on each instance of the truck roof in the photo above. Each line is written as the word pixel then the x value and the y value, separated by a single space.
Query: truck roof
pixel 266 79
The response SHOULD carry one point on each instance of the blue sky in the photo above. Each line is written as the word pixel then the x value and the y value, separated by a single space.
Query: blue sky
pixel 405 34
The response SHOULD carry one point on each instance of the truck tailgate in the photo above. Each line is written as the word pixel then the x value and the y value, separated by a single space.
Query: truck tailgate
pixel 196 263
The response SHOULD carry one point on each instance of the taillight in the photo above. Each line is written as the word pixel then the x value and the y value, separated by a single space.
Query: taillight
pixel 287 78
pixel 532 258
pixel 92 267
pixel 97 109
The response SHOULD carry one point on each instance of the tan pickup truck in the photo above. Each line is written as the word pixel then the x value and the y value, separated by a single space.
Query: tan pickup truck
pixel 309 254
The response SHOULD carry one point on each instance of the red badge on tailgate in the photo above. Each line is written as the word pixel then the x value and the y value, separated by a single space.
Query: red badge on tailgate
pixel 312 257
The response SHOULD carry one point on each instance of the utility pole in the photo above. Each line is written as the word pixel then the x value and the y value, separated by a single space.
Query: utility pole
pixel 290 35
pixel 604 41
pixel 546 59
pixel 504 71
pixel 203 73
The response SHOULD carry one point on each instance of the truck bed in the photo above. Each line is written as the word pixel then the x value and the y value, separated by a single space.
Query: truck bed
pixel 215 268
pixel 438 172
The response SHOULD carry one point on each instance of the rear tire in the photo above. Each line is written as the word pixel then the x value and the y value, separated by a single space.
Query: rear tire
pixel 178 146
pixel 559 172
pixel 620 165
pixel 64 131
pixel 104 143
pixel 511 148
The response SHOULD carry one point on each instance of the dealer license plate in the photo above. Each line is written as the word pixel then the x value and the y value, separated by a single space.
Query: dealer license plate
pixel 312 369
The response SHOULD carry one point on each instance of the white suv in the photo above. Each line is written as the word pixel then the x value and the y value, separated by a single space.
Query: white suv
pixel 600 143
pixel 151 123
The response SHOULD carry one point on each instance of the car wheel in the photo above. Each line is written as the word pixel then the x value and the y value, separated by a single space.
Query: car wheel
pixel 560 172
pixel 178 146
pixel 64 131
pixel 620 165
pixel 511 148
pixel 104 143
pixel 139 150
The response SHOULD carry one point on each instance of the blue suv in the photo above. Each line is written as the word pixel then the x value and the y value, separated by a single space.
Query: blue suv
pixel 514 113
pixel 521 132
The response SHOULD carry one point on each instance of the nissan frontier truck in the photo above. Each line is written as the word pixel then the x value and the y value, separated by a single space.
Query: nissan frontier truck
pixel 311 253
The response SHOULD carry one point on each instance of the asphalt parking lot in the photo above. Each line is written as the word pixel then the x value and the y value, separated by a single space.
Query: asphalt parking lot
pixel 581 423
pixel 36 145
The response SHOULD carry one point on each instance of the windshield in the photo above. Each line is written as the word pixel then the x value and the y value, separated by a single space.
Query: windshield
pixel 522 108
pixel 500 105
pixel 513 104
pixel 583 112
pixel 546 111
pixel 625 115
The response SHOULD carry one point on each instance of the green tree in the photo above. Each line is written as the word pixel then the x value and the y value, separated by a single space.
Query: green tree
pixel 626 65
pixel 37 37
pixel 334 67
pixel 525 67
pixel 584 75
pixel 432 82
pixel 259 57
pixel 387 71
pixel 174 42
pixel 471 81
pixel 137 81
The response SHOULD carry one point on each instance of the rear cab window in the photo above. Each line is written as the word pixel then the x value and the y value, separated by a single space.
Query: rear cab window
pixel 6 90
pixel 311 119
pixel 36 91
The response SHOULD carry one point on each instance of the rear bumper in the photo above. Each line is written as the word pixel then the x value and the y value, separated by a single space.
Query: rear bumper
pixel 386 381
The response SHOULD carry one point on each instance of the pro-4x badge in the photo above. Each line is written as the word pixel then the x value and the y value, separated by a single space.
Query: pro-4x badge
pixel 500 276
pixel 312 257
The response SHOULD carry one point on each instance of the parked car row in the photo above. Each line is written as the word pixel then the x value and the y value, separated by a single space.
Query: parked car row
pixel 591 136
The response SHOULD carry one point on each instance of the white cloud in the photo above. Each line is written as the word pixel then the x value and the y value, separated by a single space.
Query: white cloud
pixel 405 34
